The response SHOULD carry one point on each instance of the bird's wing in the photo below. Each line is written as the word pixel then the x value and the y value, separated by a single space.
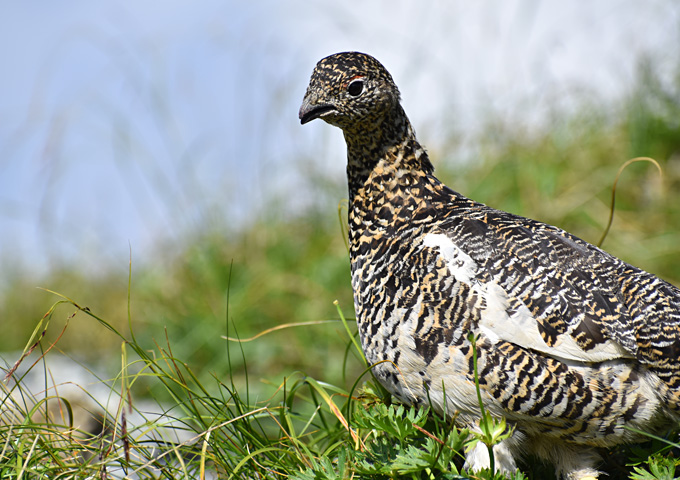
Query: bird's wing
pixel 549 291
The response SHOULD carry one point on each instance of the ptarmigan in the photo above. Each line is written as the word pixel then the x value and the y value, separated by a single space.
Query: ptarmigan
pixel 573 343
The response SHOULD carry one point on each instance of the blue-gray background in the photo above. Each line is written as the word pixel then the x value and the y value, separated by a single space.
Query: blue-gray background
pixel 125 125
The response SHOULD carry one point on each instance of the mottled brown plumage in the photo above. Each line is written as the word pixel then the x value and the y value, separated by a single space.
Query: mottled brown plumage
pixel 573 343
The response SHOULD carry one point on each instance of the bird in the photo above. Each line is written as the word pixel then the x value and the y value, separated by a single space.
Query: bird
pixel 573 345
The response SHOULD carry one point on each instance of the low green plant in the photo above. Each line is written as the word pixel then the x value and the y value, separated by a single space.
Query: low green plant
pixel 659 468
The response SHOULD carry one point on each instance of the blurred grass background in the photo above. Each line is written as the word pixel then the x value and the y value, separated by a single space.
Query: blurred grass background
pixel 283 268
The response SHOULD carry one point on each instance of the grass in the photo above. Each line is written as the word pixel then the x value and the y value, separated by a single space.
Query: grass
pixel 298 402
pixel 224 433
pixel 305 430
pixel 227 435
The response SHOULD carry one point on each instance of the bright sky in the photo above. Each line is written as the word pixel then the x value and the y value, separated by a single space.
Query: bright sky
pixel 125 124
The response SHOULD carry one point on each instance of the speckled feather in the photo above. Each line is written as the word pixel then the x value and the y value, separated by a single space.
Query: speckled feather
pixel 573 342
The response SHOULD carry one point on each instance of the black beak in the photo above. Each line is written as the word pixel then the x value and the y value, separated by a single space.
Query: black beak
pixel 309 112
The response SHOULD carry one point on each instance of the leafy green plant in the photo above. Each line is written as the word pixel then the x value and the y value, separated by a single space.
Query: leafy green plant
pixel 398 443
pixel 660 468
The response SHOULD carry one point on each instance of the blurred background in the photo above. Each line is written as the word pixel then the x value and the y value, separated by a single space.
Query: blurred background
pixel 164 138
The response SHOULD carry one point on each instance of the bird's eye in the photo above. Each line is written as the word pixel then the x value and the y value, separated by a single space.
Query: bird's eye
pixel 355 87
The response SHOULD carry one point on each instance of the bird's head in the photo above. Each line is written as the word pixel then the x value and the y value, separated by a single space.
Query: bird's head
pixel 350 90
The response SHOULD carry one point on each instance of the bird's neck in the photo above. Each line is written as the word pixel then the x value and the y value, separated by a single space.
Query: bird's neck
pixel 390 142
